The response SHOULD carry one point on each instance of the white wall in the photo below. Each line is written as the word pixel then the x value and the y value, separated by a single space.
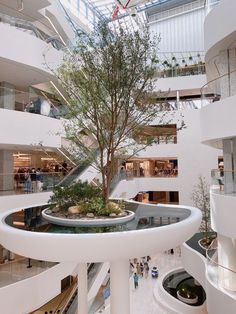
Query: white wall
pixel 218 120
pixel 181 33
pixel 223 13
pixel 23 128
pixel 194 159
pixel 223 214
pixel 181 83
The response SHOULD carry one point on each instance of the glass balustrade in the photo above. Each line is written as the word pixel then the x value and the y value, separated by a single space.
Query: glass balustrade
pixel 24 182
pixel 20 269
pixel 34 101
pixel 219 88
pixel 31 29
pixel 223 181
pixel 221 275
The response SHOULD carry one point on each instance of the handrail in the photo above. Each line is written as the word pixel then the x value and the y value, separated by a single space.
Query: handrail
pixel 214 80
pixel 216 251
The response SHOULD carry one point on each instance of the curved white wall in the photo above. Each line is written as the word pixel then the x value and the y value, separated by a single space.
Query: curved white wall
pixel 27 129
pixel 218 121
pixel 31 293
pixel 223 214
pixel 219 24
pixel 100 247
pixel 173 305
pixel 194 263
pixel 27 49
pixel 218 300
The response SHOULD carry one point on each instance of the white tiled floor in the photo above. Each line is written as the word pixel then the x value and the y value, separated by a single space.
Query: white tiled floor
pixel 142 299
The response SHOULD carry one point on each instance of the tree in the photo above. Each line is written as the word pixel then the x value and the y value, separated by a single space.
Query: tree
pixel 201 199
pixel 109 77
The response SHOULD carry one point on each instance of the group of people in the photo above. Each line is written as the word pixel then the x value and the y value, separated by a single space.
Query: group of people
pixel 166 172
pixel 31 179
pixel 140 269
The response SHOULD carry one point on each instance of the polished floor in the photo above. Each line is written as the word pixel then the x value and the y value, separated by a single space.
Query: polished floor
pixel 142 299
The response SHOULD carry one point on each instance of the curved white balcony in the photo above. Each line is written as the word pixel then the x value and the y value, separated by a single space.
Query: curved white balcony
pixel 99 247
pixel 22 129
pixel 22 57
pixel 218 38
pixel 220 283
pixel 223 213
pixel 194 263
pixel 217 121
pixel 46 286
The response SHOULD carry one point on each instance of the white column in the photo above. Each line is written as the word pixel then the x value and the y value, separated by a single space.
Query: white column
pixel 120 294
pixel 6 168
pixel 82 289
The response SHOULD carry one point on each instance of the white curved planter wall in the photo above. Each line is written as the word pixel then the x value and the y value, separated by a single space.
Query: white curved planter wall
pixel 173 305
pixel 102 246
pixel 218 120
pixel 31 293
pixel 27 49
pixel 29 129
pixel 194 263
pixel 223 214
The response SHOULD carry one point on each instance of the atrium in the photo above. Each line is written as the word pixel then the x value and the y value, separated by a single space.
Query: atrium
pixel 117 156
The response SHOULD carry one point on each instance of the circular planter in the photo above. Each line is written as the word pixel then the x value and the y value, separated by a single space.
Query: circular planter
pixel 186 300
pixel 88 222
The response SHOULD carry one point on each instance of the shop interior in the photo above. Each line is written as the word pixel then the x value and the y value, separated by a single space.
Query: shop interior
pixel 160 134
pixel 152 167
pixel 164 197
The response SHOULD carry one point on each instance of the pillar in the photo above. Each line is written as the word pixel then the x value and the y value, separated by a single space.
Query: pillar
pixel 227 262
pixel 6 170
pixel 228 166
pixel 120 287
pixel 7 96
pixel 82 289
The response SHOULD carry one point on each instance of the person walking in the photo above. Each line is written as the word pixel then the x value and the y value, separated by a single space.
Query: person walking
pixel 146 269
pixel 136 278
pixel 138 268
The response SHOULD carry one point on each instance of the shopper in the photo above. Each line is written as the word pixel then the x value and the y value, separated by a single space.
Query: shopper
pixel 146 270
pixel 33 179
pixel 39 180
pixel 27 182
pixel 136 279
pixel 138 268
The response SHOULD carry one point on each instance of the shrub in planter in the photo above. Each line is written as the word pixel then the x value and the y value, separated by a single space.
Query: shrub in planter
pixel 186 291
pixel 72 195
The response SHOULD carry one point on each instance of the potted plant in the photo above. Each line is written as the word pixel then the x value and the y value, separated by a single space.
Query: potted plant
pixel 187 293
pixel 79 203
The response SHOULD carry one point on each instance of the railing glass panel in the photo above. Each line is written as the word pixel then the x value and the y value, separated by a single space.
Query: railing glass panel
pixel 222 276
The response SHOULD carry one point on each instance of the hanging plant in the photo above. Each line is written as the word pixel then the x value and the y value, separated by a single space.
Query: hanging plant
pixel 190 58
pixel 173 58
pixel 165 62
pixel 198 55
pixel 183 61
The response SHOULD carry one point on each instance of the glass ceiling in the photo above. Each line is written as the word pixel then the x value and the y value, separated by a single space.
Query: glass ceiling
pixel 107 7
